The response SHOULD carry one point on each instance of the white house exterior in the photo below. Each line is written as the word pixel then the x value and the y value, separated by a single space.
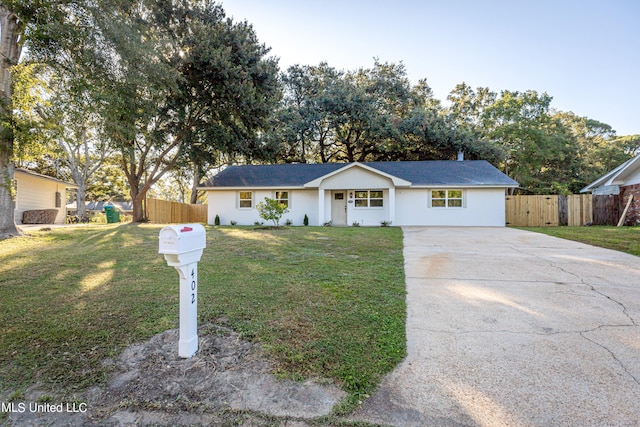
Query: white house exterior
pixel 463 193
pixel 36 192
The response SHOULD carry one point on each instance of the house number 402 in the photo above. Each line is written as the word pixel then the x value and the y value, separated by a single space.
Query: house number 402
pixel 193 285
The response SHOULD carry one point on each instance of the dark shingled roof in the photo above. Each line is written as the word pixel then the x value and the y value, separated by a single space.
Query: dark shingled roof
pixel 419 173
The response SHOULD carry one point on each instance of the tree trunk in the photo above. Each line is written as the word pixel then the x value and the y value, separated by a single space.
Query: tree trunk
pixel 10 48
pixel 138 207
pixel 137 197
pixel 81 196
pixel 194 187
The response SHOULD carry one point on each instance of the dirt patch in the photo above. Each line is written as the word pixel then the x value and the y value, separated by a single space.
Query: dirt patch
pixel 227 382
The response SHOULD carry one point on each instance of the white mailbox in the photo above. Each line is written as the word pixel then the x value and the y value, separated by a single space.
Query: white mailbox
pixel 184 242
pixel 182 246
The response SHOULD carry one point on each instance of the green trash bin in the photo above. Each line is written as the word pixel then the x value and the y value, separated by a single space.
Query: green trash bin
pixel 113 216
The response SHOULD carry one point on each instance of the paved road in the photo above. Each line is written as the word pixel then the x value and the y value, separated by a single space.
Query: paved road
pixel 512 328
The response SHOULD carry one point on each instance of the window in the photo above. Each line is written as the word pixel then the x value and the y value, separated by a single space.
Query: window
pixel 369 199
pixel 245 200
pixel 446 199
pixel 283 197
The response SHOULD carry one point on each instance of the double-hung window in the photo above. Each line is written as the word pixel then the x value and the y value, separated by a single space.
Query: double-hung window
pixel 283 197
pixel 446 199
pixel 369 199
pixel 245 199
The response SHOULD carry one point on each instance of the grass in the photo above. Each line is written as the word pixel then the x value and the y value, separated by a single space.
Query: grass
pixel 324 302
pixel 625 239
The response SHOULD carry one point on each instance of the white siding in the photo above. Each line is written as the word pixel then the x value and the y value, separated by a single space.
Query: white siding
pixel 224 203
pixel 633 178
pixel 365 180
pixel 38 193
pixel 369 215
pixel 483 207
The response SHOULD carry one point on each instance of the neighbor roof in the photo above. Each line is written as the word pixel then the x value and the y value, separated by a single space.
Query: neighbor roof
pixel 617 174
pixel 418 173
pixel 49 178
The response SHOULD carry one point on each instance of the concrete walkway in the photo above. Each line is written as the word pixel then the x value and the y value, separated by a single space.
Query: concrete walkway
pixel 512 328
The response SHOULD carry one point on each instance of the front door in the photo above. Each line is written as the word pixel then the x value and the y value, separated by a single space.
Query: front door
pixel 339 208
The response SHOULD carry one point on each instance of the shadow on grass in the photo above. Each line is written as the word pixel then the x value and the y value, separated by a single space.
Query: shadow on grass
pixel 324 303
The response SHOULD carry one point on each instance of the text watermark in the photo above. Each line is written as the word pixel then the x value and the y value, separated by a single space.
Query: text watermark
pixel 48 408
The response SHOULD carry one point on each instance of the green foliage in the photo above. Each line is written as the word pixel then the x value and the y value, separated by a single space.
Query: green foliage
pixel 376 114
pixel 109 181
pixel 29 96
pixel 272 210
pixel 216 221
pixel 145 77
pixel 306 220
pixel 363 115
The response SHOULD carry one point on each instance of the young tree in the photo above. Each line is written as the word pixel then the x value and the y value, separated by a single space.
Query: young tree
pixel 272 210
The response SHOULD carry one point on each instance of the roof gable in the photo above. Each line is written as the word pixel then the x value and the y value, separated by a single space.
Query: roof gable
pixel 45 177
pixel 428 173
pixel 398 182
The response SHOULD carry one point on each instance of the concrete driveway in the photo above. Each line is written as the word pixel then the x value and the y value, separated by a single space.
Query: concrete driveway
pixel 513 328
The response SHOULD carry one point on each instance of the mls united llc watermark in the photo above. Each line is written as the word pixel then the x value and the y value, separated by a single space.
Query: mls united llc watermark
pixel 22 407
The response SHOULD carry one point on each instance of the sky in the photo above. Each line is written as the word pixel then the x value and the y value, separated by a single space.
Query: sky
pixel 585 54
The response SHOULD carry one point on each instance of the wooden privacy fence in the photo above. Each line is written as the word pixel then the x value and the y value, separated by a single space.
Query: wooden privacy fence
pixel 165 212
pixel 549 211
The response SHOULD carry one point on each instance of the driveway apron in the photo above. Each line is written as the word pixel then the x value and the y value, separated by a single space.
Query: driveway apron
pixel 513 328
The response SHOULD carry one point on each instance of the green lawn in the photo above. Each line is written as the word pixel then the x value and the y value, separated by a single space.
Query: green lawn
pixel 625 239
pixel 324 302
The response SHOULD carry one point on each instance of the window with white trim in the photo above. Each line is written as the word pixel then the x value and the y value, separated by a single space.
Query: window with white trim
pixel 369 199
pixel 283 197
pixel 245 199
pixel 446 199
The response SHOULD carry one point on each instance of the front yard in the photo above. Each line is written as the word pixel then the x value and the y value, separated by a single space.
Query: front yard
pixel 625 239
pixel 323 302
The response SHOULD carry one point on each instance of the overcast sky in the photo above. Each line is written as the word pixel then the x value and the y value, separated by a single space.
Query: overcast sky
pixel 586 54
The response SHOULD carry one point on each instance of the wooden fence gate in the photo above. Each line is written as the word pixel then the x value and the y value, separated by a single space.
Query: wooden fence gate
pixel 164 212
pixel 549 211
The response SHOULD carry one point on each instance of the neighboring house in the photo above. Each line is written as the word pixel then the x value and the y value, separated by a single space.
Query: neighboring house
pixel 623 180
pixel 468 193
pixel 125 207
pixel 39 192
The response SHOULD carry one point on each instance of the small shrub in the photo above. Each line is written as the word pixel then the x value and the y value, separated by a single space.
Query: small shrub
pixel 258 223
pixel 385 223
pixel 356 224
pixel 99 218
pixel 233 222
pixel 288 222
pixel 217 220
pixel 306 220
pixel 328 224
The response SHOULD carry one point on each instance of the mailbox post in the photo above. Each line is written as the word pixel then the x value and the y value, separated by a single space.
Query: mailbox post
pixel 182 246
